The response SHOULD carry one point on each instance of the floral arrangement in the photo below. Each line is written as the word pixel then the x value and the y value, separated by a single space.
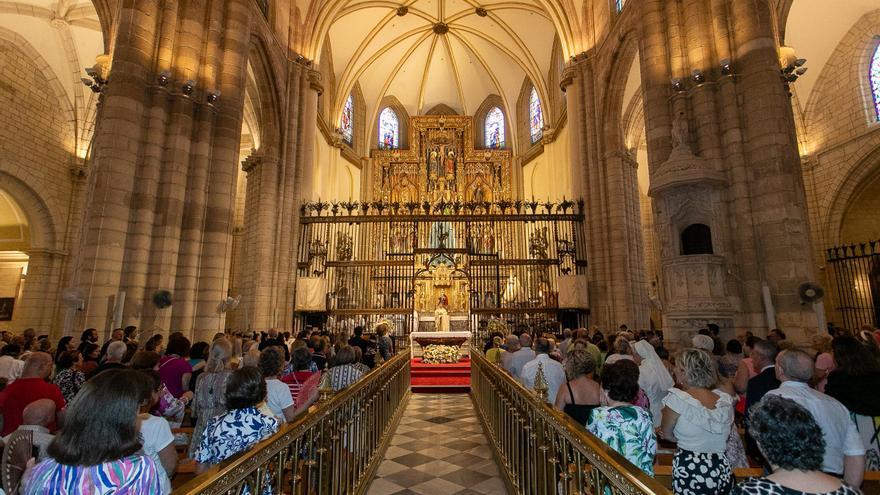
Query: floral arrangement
pixel 440 354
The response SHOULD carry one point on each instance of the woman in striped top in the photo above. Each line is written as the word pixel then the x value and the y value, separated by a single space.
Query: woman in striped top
pixel 97 452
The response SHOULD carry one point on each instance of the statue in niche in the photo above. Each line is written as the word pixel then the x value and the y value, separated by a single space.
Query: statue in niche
pixel 441 314
pixel 680 132
pixel 450 164
pixel 434 164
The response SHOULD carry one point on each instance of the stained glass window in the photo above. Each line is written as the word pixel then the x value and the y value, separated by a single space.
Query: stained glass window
pixel 875 80
pixel 389 130
pixel 346 123
pixel 619 4
pixel 495 128
pixel 536 117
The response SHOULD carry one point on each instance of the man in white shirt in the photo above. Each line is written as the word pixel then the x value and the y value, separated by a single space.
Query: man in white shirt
pixel 844 451
pixel 519 358
pixel 10 365
pixel 553 370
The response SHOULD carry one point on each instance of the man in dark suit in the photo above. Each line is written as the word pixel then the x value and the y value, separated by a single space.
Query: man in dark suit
pixel 764 360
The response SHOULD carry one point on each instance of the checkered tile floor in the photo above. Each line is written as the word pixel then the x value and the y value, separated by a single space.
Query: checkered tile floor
pixel 438 449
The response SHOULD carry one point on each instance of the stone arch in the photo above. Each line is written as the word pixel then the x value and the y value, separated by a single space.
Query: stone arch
pixel 488 104
pixel 267 94
pixel 106 16
pixel 54 83
pixel 43 226
pixel 860 177
pixel 390 101
pixel 624 55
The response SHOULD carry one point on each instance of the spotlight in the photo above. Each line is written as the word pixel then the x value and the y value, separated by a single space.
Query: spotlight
pixel 800 62
pixel 163 78
pixel 188 87
pixel 677 84
pixel 698 76
pixel 213 96
pixel 87 82
pixel 91 71
pixel 800 71
pixel 726 68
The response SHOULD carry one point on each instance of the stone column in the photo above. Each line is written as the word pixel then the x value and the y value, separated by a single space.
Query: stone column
pixel 300 185
pixel 117 142
pixel 261 208
pixel 734 154
pixel 605 179
pixel 771 150
pixel 164 166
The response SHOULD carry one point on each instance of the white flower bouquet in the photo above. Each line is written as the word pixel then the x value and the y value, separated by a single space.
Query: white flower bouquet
pixel 440 354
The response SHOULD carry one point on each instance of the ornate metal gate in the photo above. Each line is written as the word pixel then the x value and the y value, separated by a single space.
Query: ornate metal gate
pixel 856 276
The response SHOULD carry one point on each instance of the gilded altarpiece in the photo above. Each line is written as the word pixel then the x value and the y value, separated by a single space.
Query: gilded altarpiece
pixel 441 166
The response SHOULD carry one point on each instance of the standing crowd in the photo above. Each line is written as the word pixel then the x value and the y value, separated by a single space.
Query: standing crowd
pixel 807 416
pixel 111 418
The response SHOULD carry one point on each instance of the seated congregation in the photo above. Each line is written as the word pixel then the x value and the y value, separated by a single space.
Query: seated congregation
pixel 139 419
pixel 805 417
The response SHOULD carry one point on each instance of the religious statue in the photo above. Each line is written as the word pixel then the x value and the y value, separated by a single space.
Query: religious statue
pixel 450 164
pixel 680 132
pixel 433 164
pixel 513 288
pixel 441 314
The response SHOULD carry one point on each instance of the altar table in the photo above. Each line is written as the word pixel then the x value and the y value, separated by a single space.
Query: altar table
pixel 455 339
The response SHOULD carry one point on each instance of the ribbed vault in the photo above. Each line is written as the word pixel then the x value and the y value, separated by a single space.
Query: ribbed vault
pixel 430 52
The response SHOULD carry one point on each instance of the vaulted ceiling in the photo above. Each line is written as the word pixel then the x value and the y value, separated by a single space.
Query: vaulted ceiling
pixel 814 29
pixel 67 35
pixel 452 52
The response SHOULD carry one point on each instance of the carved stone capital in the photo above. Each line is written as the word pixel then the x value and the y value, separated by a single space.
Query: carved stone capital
pixel 258 158
pixel 568 76
pixel 315 81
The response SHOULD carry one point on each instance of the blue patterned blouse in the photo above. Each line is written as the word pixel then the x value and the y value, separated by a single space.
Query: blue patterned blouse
pixel 233 432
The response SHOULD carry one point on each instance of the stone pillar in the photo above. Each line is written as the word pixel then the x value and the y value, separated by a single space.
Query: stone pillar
pixel 721 146
pixel 216 249
pixel 606 180
pixel 300 187
pixel 117 142
pixel 261 209
pixel 163 171
pixel 771 150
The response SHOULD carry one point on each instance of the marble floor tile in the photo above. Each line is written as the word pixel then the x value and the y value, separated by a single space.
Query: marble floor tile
pixel 438 448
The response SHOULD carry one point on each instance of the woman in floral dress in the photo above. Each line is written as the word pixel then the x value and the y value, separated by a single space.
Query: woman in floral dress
pixel 240 427
pixel 626 428
pixel 69 377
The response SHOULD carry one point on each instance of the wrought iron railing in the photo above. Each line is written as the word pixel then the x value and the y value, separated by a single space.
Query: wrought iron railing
pixel 540 451
pixel 333 449
pixel 855 272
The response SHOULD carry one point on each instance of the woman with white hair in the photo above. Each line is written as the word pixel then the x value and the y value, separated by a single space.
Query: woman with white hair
pixel 654 378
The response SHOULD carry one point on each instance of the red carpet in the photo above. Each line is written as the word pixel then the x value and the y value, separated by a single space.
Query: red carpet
pixel 441 378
